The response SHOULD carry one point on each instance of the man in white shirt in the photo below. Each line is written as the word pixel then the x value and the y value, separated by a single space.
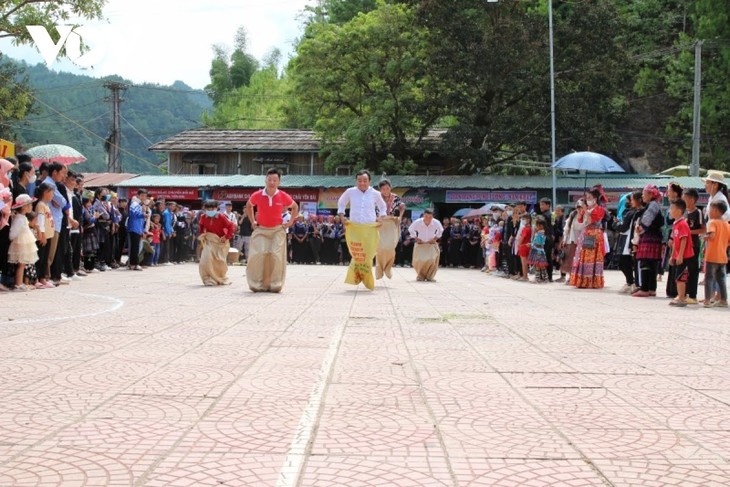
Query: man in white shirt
pixel 361 231
pixel 426 231
pixel 363 200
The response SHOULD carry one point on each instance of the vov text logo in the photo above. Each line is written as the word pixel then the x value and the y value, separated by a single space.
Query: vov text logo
pixel 70 38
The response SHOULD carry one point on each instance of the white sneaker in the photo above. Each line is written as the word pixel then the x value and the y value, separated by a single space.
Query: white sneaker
pixel 77 277
pixel 625 289
pixel 107 268
pixel 168 263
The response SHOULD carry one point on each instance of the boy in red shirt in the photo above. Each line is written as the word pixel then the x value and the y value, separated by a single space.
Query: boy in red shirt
pixel 216 231
pixel 682 250
pixel 266 266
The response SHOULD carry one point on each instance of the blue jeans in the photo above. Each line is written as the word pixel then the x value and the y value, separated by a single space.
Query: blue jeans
pixel 156 255
pixel 714 279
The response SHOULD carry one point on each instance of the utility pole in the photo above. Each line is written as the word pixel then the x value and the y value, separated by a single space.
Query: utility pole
pixel 694 168
pixel 113 143
pixel 552 103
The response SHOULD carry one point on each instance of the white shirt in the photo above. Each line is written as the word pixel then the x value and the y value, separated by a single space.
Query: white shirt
pixel 718 197
pixel 419 229
pixel 362 204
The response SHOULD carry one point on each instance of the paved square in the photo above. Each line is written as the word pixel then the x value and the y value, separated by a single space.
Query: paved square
pixel 151 379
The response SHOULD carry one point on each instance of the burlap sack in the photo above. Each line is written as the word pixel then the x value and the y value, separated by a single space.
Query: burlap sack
pixel 426 261
pixel 266 264
pixel 362 242
pixel 213 265
pixel 389 232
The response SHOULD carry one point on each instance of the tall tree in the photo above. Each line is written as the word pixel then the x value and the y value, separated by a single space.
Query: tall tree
pixel 494 58
pixel 367 89
pixel 16 99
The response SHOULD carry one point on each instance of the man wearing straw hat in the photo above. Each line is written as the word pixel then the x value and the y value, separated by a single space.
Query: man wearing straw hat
pixel 716 186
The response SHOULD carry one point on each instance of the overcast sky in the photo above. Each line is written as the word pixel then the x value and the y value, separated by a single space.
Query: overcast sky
pixel 161 41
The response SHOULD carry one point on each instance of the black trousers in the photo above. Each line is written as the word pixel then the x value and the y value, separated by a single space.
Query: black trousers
pixel 42 264
pixel 693 265
pixel 59 260
pixel 76 251
pixel 121 240
pixel 134 239
pixel 549 253
pixel 626 264
pixel 671 282
pixel 648 272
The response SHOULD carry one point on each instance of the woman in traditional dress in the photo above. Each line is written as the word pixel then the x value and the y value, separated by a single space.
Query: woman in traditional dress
pixel 574 226
pixel 587 271
pixel 649 251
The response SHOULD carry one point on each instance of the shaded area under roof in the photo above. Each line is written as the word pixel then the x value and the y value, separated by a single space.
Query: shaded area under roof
pixel 609 182
pixel 99 179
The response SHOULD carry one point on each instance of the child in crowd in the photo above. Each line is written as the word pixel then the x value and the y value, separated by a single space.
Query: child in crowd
pixel 682 251
pixel 45 230
pixel 696 222
pixel 537 258
pixel 717 236
pixel 523 245
pixel 23 251
pixel 91 241
pixel 156 232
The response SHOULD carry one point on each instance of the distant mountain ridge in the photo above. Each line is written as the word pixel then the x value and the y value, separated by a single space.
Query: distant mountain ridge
pixel 71 109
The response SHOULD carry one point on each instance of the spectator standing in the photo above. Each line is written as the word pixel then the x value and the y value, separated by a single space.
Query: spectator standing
pixel 135 228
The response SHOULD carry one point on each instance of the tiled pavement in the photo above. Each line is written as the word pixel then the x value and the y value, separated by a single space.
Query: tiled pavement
pixel 150 379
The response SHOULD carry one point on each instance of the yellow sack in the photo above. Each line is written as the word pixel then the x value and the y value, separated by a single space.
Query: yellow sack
pixel 266 264
pixel 426 261
pixel 362 241
pixel 213 265
pixel 389 233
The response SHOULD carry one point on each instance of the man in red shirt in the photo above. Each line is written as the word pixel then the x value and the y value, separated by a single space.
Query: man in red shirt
pixel 216 231
pixel 682 250
pixel 266 266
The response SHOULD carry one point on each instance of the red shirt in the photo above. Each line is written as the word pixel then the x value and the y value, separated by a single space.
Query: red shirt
pixel 680 230
pixel 156 233
pixel 220 225
pixel 269 209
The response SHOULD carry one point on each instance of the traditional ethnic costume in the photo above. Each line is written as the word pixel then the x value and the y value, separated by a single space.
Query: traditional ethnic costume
pixel 587 271
pixel 537 258
pixel 426 255
pixel 215 235
pixel 266 267
pixel 361 232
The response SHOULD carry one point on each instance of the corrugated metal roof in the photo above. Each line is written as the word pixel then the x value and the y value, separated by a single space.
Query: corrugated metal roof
pixel 99 179
pixel 609 182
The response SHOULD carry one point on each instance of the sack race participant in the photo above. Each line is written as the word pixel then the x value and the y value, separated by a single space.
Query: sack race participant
pixel 362 242
pixel 216 231
pixel 389 234
pixel 266 264
pixel 361 230
pixel 427 232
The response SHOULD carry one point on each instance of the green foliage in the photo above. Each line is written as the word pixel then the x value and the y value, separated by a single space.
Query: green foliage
pixel 258 105
pixel 72 110
pixel 15 15
pixel 339 11
pixel 16 101
pixel 367 87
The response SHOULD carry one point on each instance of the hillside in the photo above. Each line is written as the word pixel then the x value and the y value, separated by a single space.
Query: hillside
pixel 72 109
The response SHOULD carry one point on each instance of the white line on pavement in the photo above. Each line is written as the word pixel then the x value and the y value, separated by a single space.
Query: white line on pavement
pixel 294 461
pixel 118 303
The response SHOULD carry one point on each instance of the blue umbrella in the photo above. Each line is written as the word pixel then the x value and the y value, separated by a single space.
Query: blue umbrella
pixel 589 162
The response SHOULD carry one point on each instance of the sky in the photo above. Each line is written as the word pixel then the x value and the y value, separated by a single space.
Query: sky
pixel 161 41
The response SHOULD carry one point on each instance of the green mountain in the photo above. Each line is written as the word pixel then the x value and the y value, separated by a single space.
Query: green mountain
pixel 74 110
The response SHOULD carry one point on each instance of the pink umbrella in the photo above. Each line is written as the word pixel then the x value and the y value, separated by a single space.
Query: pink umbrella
pixel 55 153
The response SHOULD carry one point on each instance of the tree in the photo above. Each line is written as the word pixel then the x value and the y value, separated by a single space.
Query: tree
pixel 339 11
pixel 366 88
pixel 16 99
pixel 15 15
pixel 494 60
